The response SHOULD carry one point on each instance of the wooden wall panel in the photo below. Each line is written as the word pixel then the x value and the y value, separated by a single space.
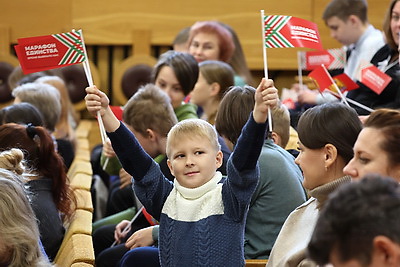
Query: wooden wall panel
pixel 107 23
pixel 35 18
pixel 111 22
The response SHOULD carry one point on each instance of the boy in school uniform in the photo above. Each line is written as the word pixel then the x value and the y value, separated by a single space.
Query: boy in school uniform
pixel 202 216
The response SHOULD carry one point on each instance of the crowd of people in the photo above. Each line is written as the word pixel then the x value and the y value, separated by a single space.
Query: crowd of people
pixel 198 175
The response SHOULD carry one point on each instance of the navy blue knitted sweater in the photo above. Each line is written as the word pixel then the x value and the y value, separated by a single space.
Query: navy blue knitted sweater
pixel 202 226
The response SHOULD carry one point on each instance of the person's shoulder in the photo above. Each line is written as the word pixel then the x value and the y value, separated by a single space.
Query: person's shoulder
pixel 186 111
pixel 308 203
pixel 373 37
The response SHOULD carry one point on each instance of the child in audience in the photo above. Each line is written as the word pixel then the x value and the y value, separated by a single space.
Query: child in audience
pixel 386 59
pixel 52 198
pixel 279 175
pixel 19 233
pixel 327 134
pixel 176 73
pixel 215 78
pixel 205 214
pixel 150 126
pixel 348 22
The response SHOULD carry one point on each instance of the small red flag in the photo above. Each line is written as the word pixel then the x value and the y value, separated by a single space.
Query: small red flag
pixel 287 31
pixel 345 83
pixel 322 78
pixel 375 79
pixel 50 51
pixel 331 58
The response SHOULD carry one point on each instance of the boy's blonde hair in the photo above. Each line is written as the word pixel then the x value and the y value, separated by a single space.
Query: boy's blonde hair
pixel 150 108
pixel 281 123
pixel 192 128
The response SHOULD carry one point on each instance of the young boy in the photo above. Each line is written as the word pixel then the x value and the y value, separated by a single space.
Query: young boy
pixel 202 216
pixel 348 23
pixel 151 127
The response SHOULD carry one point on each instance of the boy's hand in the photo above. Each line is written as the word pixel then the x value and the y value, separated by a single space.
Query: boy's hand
pixel 96 101
pixel 266 96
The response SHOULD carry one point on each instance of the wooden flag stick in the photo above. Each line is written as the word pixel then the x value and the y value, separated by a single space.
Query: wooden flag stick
pixel 299 70
pixel 266 70
pixel 89 78
pixel 343 98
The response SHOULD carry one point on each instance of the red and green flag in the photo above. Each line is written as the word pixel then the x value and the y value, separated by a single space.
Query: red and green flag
pixel 50 51
pixel 287 31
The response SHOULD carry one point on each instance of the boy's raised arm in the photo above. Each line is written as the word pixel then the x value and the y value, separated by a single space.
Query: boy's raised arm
pixel 248 147
pixel 266 96
pixel 96 101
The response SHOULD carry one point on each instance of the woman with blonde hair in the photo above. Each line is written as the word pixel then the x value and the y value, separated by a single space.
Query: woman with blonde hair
pixel 19 232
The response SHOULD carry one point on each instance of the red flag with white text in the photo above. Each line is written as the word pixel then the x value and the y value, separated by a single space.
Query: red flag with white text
pixel 50 51
pixel 287 31
pixel 375 79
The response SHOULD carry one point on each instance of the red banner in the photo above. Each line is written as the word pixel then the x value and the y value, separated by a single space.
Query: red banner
pixel 50 51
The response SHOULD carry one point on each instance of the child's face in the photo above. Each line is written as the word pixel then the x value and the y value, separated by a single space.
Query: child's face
pixel 342 31
pixel 168 82
pixel 205 46
pixel 193 161
pixel 202 92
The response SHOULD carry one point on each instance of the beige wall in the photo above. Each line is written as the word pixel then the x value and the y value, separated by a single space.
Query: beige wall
pixel 106 22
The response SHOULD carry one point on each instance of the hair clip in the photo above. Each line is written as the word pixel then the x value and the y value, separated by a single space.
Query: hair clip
pixel 32 133
pixel 31 130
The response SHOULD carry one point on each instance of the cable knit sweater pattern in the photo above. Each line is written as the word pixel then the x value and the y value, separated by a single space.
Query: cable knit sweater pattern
pixel 203 226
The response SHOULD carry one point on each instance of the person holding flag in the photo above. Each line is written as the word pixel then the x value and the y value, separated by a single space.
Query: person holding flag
pixel 386 61
pixel 348 23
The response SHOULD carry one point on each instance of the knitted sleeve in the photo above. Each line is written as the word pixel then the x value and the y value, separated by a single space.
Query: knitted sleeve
pixel 130 153
pixel 249 145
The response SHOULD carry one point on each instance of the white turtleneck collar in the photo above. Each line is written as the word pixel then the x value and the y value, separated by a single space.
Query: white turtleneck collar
pixel 193 204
